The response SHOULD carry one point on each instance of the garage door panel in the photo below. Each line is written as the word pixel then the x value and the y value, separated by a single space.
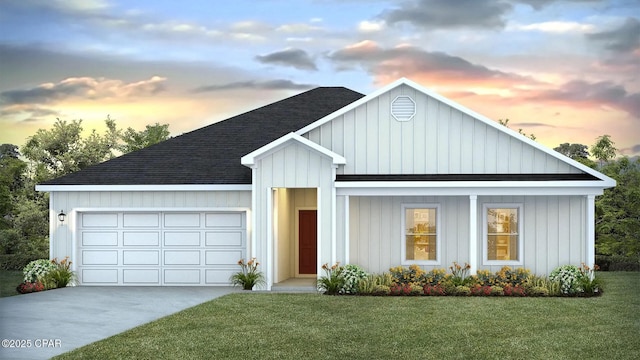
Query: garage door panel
pixel 141 220
pixel 223 257
pixel 224 220
pixel 141 276
pixel 99 276
pixel 141 257
pixel 181 257
pixel 160 248
pixel 100 257
pixel 100 220
pixel 182 276
pixel 224 238
pixel 181 220
pixel 99 238
pixel 173 238
pixel 218 276
pixel 141 238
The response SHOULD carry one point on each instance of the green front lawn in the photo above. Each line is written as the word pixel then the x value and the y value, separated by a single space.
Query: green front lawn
pixel 9 281
pixel 308 326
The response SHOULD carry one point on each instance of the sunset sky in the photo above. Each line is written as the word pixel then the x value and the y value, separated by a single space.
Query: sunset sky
pixel 565 70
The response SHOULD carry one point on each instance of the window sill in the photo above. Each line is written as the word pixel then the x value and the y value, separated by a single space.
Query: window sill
pixel 420 262
pixel 502 262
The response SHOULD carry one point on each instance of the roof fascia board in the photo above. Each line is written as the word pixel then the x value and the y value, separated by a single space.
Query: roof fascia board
pixel 472 184
pixel 250 159
pixel 404 81
pixel 467 191
pixel 186 187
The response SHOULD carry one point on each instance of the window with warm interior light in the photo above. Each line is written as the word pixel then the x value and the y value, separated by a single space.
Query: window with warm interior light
pixel 503 233
pixel 421 240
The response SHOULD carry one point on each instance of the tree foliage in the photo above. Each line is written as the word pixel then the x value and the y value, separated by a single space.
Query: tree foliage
pixel 151 135
pixel 604 149
pixel 505 123
pixel 51 153
pixel 577 152
pixel 618 210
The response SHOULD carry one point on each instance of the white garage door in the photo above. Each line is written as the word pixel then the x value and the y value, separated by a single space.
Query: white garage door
pixel 160 248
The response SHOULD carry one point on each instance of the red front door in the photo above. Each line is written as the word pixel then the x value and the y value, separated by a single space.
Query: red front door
pixel 307 241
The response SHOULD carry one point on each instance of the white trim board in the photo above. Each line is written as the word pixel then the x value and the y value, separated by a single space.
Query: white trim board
pixel 250 159
pixel 185 187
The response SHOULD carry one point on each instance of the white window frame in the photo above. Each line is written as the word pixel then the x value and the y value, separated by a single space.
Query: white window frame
pixel 485 234
pixel 403 242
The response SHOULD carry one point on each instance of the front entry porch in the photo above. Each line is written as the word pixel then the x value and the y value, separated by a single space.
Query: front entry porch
pixel 295 285
pixel 295 240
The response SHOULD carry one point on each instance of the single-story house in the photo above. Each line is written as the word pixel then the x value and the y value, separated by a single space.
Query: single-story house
pixel 401 176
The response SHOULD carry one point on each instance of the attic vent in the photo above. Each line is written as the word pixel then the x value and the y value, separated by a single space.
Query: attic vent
pixel 403 108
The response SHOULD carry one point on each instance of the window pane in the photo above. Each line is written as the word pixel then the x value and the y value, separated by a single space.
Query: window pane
pixel 502 234
pixel 502 221
pixel 421 234
pixel 421 247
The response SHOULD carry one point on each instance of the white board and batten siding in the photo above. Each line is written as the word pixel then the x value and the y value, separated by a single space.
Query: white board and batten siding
pixel 439 139
pixel 152 238
pixel 554 229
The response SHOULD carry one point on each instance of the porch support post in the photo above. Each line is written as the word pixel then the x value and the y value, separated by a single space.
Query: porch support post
pixel 334 216
pixel 591 231
pixel 346 230
pixel 473 234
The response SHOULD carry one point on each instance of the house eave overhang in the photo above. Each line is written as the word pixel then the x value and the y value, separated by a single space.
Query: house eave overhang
pixel 250 159
pixel 142 188
pixel 458 188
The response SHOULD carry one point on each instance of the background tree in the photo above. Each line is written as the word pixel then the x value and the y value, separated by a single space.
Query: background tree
pixel 618 211
pixel 62 150
pixel 577 152
pixel 603 149
pixel 50 153
pixel 505 123
pixel 151 135
pixel 12 176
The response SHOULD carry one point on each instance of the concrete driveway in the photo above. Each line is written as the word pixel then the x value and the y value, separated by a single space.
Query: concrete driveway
pixel 44 324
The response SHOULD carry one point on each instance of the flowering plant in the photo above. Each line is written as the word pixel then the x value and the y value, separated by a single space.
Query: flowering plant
pixel 249 276
pixel 459 273
pixel 61 275
pixel 29 287
pixel 332 282
pixel 402 275
pixel 589 283
pixel 37 269
pixel 352 274
pixel 569 277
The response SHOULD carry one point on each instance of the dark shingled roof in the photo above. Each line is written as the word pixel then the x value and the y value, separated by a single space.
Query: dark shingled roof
pixel 211 155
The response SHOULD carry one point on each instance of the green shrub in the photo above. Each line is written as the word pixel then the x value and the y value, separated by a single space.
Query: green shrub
pixel 381 290
pixel 368 284
pixel 462 290
pixel 37 269
pixel 16 261
pixel 497 291
pixel 538 291
pixel 433 277
pixel 486 278
pixel 618 263
pixel 411 275
pixel 569 277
